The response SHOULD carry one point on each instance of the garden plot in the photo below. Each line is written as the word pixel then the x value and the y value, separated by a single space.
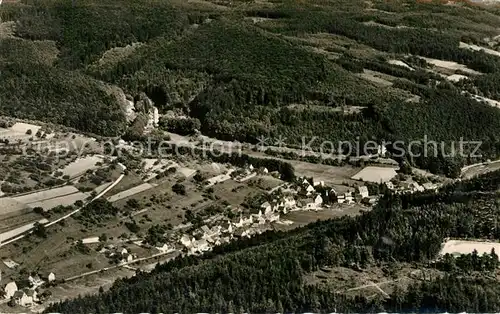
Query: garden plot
pixel 66 200
pixel 479 48
pixel 151 166
pixel 457 247
pixel 18 231
pixel 18 131
pixel 375 174
pixel 9 205
pixel 375 77
pixel 47 194
pixel 132 191
pixel 80 165
pixel 102 187
pixel 187 172
pixel 450 65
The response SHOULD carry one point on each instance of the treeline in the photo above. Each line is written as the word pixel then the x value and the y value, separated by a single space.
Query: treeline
pixel 266 274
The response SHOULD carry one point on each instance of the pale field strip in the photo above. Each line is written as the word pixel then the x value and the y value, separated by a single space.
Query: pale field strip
pixel 456 247
pixel 401 64
pixel 18 231
pixel 102 187
pixel 45 195
pixel 65 200
pixel 375 174
pixel 18 131
pixel 132 191
pixel 479 48
pixel 9 205
pixel 220 178
pixel 456 78
pixel 90 240
pixel 81 165
pixel 489 101
pixel 451 65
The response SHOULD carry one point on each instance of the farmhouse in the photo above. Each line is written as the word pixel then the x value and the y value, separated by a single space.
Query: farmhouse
pixel 25 297
pixel 363 191
pixel 10 289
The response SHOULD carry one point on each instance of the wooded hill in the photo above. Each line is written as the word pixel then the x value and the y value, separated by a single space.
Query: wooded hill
pixel 288 69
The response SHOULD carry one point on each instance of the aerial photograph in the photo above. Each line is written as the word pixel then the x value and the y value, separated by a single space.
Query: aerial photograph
pixel 249 156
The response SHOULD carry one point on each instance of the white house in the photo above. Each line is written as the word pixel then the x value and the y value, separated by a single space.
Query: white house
pixel 319 183
pixel 51 277
pixel 124 251
pixel 341 199
pixel 186 241
pixel 25 297
pixel 251 167
pixel 265 171
pixel 389 185
pixel 35 281
pixel 266 207
pixel 318 200
pixel 363 191
pixel 309 190
pixel 10 289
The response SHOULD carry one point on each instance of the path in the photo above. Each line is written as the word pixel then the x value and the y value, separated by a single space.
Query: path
pixel 126 265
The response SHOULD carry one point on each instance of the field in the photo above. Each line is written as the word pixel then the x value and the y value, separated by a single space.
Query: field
pixel 457 247
pixel 375 174
pixel 80 165
pixel 46 195
pixel 65 200
pixel 132 191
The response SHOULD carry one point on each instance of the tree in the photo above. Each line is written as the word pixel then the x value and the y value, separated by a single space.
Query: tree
pixel 39 230
pixel 179 189
pixel 38 210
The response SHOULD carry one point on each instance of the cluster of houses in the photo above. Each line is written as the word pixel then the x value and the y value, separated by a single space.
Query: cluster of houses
pixel 121 256
pixel 316 195
pixel 27 296
pixel 411 187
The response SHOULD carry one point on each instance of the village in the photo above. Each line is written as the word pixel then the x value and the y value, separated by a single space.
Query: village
pixel 166 206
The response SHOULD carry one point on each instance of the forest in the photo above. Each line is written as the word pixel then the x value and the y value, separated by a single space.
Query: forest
pixel 266 273
pixel 243 80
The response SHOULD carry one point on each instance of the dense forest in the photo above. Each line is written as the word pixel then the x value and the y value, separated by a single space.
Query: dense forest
pixel 243 80
pixel 267 273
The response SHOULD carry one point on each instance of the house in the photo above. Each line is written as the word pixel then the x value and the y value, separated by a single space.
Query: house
pixel 305 182
pixel 430 186
pixel 417 187
pixel 251 167
pixel 186 241
pixel 341 199
pixel 309 190
pixel 319 183
pixel 318 200
pixel 349 199
pixel 390 185
pixel 265 171
pixel 363 191
pixel 289 203
pixel 10 289
pixel 124 251
pixel 266 207
pixel 48 276
pixel 35 281
pixel 24 297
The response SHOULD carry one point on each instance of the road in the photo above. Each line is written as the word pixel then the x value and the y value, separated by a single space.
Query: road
pixel 468 171
pixel 73 212
pixel 119 265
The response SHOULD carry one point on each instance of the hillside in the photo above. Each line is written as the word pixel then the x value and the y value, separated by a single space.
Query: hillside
pixel 275 272
pixel 243 68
